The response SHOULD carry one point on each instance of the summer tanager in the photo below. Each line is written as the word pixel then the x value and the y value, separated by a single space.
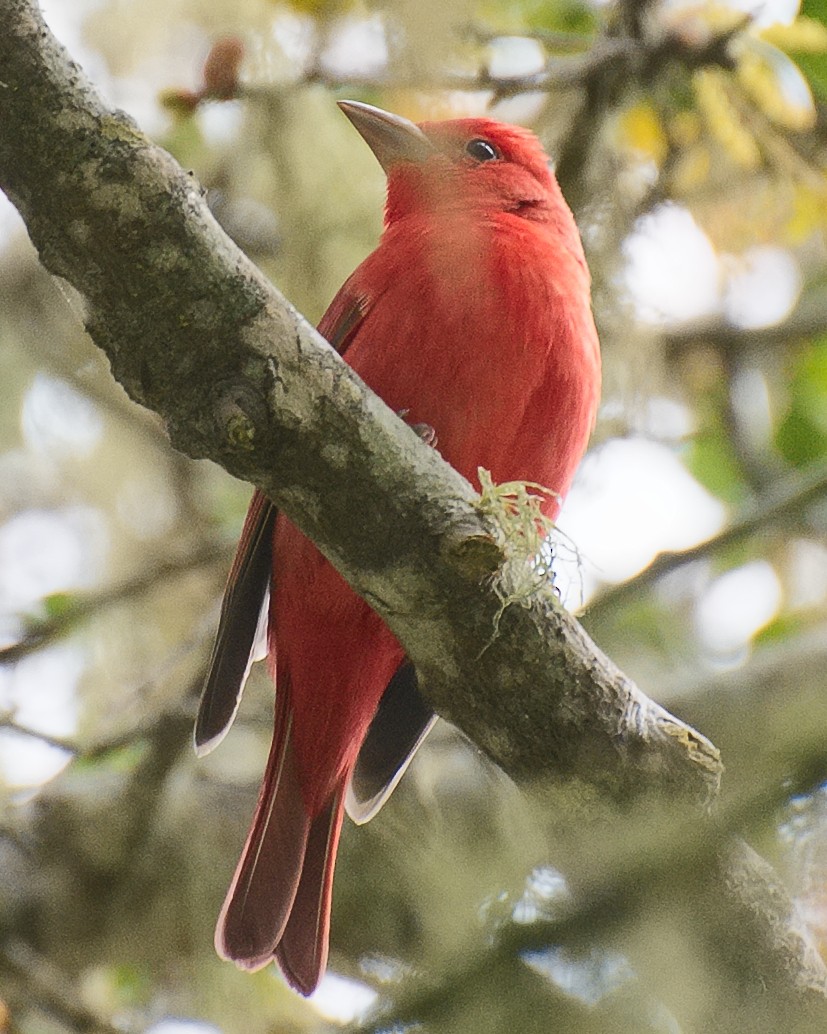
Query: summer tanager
pixel 472 317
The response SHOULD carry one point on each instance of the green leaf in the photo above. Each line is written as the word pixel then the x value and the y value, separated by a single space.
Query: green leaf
pixel 814 68
pixel 711 459
pixel 57 605
pixel 802 433
pixel 815 9
pixel 785 626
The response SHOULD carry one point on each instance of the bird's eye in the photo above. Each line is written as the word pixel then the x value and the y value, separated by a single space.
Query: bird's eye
pixel 481 151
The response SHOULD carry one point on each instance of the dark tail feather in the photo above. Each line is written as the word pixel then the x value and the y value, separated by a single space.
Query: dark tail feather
pixel 260 898
pixel 302 951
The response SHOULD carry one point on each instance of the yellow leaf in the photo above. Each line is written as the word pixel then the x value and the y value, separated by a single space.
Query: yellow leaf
pixel 642 130
pixel 322 9
pixel 692 169
pixel 685 128
pixel 711 92
pixel 809 213
pixel 804 36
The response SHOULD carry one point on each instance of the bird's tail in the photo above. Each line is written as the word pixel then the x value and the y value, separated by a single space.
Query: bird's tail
pixel 278 904
pixel 302 950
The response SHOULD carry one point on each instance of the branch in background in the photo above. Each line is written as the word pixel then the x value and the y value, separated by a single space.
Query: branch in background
pixel 781 692
pixel 59 742
pixel 612 57
pixel 551 39
pixel 644 858
pixel 808 320
pixel 50 991
pixel 645 60
pixel 82 607
pixel 775 709
pixel 632 16
pixel 146 729
pixel 612 65
pixel 789 497
pixel 91 379
pixel 83 856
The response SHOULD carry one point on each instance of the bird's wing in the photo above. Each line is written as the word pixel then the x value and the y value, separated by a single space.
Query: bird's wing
pixel 403 719
pixel 242 627
pixel 401 723
pixel 242 611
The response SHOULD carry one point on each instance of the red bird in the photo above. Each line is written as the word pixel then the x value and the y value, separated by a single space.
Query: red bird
pixel 473 317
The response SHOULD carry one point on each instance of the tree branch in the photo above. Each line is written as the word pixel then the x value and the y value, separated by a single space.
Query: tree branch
pixel 195 332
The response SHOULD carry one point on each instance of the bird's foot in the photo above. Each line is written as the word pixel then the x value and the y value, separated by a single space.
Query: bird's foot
pixel 424 431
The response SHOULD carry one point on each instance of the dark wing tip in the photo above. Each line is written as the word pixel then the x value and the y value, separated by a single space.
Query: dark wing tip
pixel 401 723
pixel 240 627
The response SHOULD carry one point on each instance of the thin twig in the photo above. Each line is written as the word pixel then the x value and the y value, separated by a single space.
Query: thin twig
pixel 51 991
pixel 789 496
pixel 83 607
pixel 808 320
pixel 617 54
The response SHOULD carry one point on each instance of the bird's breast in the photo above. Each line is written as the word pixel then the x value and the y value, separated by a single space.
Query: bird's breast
pixel 484 332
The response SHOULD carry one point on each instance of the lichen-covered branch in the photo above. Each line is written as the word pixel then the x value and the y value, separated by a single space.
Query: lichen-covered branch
pixel 195 332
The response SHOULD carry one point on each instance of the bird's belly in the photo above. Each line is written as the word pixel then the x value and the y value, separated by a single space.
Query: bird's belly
pixel 334 657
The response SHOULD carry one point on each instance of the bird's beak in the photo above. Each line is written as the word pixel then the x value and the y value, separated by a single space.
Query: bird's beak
pixel 392 138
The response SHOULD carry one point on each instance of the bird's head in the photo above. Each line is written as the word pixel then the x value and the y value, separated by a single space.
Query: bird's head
pixel 473 163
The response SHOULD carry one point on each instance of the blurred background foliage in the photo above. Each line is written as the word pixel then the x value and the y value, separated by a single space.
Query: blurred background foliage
pixel 690 139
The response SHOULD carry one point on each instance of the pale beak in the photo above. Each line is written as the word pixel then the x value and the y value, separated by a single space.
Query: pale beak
pixel 392 138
